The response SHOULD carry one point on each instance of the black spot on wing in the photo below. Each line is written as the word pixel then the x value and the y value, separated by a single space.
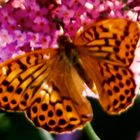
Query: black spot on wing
pixel 21 65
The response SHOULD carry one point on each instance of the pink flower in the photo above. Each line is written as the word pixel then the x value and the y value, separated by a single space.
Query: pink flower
pixel 5 38
pixel 18 4
pixel 19 37
pixel 8 51
pixel 135 67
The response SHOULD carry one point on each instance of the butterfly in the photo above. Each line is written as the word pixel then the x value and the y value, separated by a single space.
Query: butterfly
pixel 47 84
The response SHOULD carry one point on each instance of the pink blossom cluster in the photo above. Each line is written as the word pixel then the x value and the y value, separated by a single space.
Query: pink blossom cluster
pixel 32 24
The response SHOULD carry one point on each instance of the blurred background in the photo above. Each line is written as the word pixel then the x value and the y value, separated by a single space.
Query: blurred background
pixel 15 126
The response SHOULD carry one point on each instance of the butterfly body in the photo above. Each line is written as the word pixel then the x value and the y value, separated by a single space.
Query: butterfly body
pixel 47 84
pixel 67 50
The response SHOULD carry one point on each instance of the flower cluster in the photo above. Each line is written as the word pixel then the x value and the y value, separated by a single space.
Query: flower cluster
pixel 33 24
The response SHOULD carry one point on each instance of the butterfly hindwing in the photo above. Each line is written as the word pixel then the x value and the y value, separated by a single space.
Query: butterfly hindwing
pixel 115 85
pixel 58 106
pixel 119 88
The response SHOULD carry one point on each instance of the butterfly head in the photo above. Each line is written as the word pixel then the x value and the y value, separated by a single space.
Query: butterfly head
pixel 67 49
pixel 63 41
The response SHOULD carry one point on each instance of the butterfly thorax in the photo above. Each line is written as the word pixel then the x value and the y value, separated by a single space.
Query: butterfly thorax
pixel 67 50
pixel 69 53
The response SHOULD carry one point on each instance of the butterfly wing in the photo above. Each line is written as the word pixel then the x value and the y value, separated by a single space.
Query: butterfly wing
pixel 110 40
pixel 44 86
pixel 58 105
pixel 115 85
pixel 19 75
pixel 106 50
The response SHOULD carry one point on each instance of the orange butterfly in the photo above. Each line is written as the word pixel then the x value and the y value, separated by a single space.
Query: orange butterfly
pixel 47 84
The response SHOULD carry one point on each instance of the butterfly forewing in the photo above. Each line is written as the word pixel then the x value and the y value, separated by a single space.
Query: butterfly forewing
pixel 110 40
pixel 19 75
pixel 106 50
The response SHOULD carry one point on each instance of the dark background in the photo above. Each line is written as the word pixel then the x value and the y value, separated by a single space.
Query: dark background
pixel 15 126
